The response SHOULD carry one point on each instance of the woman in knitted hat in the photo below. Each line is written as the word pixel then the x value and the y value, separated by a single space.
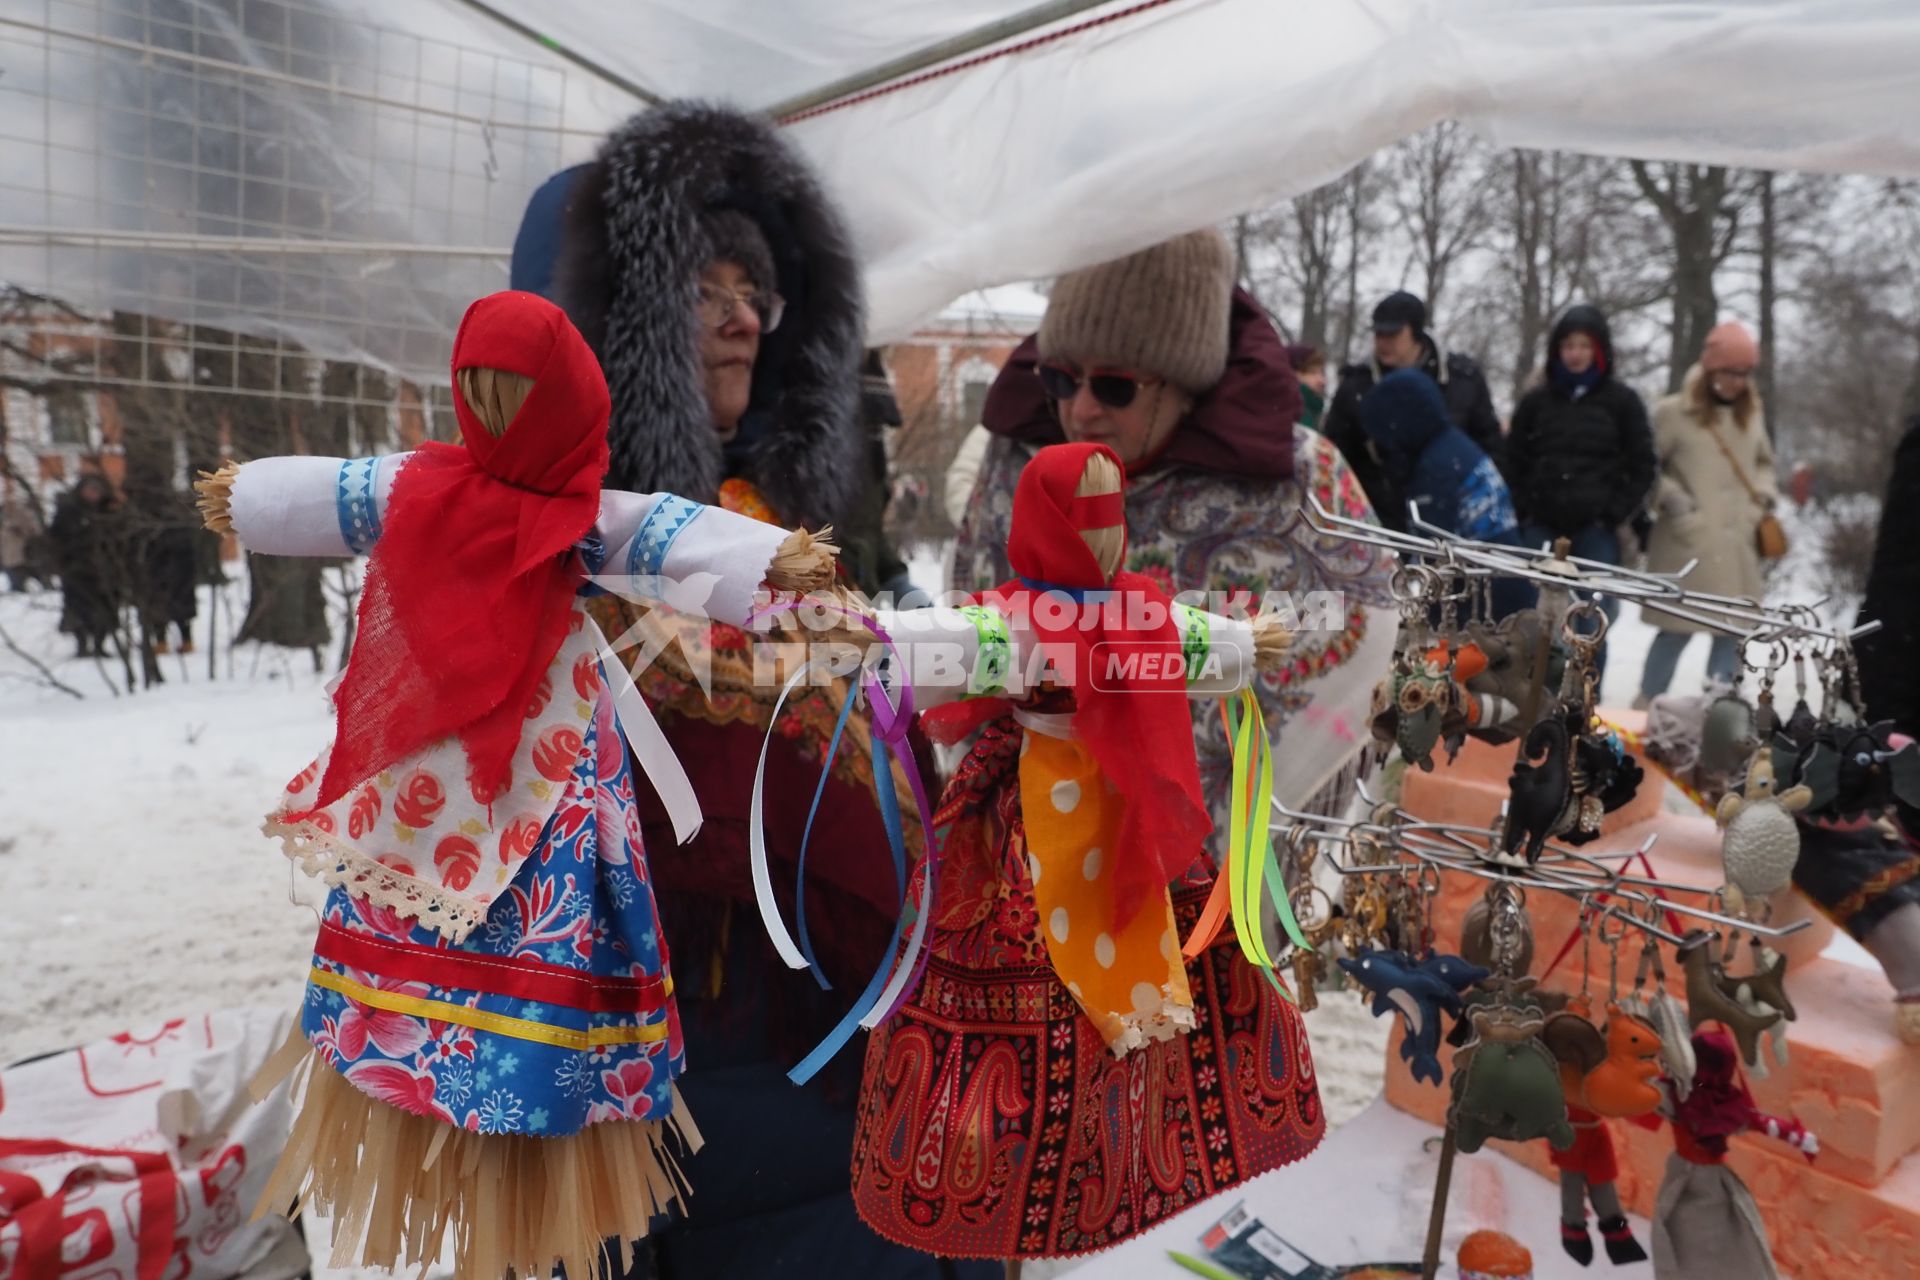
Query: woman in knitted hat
pixel 1160 358
pixel 1716 482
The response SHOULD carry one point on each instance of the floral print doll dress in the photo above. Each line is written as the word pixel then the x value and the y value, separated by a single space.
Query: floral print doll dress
pixel 489 1040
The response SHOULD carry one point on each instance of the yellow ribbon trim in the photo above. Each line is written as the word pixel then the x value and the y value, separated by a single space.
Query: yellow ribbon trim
pixel 499 1023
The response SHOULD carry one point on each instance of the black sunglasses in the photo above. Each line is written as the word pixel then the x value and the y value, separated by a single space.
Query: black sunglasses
pixel 1114 390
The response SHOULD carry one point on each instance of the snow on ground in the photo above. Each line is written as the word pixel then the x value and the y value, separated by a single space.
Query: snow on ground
pixel 134 881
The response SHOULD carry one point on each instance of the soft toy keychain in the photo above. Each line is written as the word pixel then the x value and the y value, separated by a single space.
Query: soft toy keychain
pixel 1709 1000
pixel 489 1039
pixel 1610 1075
pixel 1420 990
pixel 1705 1223
pixel 1761 842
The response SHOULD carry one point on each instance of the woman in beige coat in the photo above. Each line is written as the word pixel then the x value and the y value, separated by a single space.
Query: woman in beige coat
pixel 1707 436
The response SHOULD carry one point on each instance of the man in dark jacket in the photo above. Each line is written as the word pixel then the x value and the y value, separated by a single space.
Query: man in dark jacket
pixel 1401 340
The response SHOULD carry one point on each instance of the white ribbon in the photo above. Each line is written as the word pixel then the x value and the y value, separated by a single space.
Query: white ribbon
pixel 757 839
pixel 651 751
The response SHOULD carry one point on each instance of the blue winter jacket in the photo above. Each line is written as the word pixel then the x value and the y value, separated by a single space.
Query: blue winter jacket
pixel 1436 465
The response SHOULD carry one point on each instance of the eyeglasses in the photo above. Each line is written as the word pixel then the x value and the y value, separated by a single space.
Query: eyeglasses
pixel 1114 390
pixel 717 305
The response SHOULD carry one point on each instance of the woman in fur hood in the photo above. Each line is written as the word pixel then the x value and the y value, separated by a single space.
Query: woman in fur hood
pixel 701 260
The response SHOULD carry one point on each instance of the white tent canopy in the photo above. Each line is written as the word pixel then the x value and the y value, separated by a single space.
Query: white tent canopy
pixel 141 141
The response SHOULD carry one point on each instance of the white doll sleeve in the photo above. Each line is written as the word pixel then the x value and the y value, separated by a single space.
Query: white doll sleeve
pixel 1218 649
pixel 306 506
pixel 946 654
pixel 690 556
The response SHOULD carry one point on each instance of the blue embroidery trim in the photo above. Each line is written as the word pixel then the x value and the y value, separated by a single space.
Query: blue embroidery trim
pixel 354 500
pixel 668 520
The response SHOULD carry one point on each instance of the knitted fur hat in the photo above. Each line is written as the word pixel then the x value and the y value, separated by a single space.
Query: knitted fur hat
pixel 1162 311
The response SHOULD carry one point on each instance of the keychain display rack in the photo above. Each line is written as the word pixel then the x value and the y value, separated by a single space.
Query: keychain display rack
pixel 1394 859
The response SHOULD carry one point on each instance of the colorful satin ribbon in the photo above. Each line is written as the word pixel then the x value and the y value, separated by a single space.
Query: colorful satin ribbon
pixel 1251 870
pixel 888 736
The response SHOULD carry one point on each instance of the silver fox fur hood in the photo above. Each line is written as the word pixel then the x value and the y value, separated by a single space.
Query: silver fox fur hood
pixel 631 252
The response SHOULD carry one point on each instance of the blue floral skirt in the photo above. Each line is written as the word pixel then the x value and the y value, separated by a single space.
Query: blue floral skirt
pixel 517 1086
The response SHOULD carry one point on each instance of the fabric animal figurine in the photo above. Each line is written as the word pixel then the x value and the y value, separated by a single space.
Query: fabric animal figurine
pixel 1763 993
pixel 1708 998
pixel 489 1040
pixel 1424 702
pixel 1506 1084
pixel 1601 1078
pixel 1061 1060
pixel 1420 991
pixel 1539 792
pixel 1761 842
pixel 1705 1223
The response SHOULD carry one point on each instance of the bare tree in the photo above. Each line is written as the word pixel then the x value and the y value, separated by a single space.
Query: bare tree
pixel 1438 189
pixel 1701 207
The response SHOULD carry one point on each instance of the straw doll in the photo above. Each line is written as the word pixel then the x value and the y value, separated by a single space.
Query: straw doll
pixel 489 1036
pixel 1062 1078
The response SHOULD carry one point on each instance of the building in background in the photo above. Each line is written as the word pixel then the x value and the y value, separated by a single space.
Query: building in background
pixel 940 378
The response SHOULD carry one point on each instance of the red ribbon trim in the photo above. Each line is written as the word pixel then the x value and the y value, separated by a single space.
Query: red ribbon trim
pixel 519 978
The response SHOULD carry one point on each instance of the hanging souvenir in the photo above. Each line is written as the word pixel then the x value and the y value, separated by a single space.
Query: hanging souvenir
pixel 489 1041
pixel 1506 1084
pixel 1420 991
pixel 1705 1223
pixel 1708 1001
pixel 1760 842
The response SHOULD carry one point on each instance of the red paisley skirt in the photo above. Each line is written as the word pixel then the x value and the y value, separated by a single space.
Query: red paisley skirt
pixel 995 1122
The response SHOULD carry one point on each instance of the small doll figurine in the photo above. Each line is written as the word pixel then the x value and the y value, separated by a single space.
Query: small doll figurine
pixel 489 1040
pixel 1063 1077
pixel 1602 1076
pixel 1705 1223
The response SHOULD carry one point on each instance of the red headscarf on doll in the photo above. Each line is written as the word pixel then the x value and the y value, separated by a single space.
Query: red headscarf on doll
pixel 1718 1106
pixel 1139 729
pixel 470 587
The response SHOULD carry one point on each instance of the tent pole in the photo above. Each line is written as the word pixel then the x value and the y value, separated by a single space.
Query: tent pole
pixel 577 58
pixel 1018 24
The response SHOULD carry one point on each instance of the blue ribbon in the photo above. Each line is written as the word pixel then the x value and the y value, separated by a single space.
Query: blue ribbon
pixel 800 874
pixel 843 1031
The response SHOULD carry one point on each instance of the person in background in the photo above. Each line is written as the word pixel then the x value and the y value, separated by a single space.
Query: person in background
pixel 963 472
pixel 1716 481
pixel 19 526
pixel 713 278
pixel 1310 367
pixel 1441 473
pixel 1890 657
pixel 1402 340
pixel 867 550
pixel 88 547
pixel 1580 450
